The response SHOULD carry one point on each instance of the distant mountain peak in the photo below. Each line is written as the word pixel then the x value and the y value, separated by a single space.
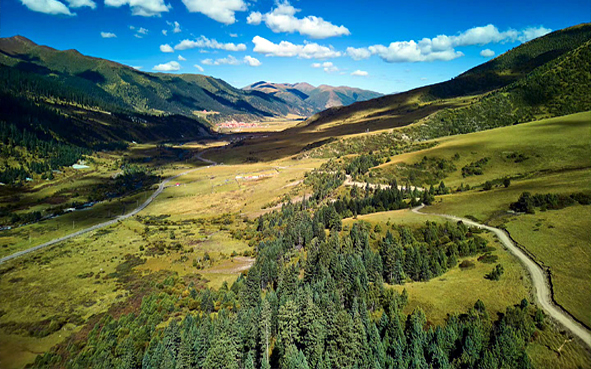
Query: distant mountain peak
pixel 313 98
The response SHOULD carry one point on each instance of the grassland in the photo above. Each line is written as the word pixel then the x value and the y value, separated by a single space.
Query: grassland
pixel 558 161
pixel 173 235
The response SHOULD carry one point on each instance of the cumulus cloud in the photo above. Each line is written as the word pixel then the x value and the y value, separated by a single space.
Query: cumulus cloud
pixel 138 67
pixel 144 8
pixel 167 67
pixel 222 11
pixel 233 35
pixel 166 48
pixel 287 49
pixel 180 58
pixel 253 62
pixel 411 51
pixel 230 60
pixel 358 54
pixel 81 3
pixel 533 32
pixel 328 67
pixel 443 47
pixel 282 19
pixel 53 7
pixel 164 32
pixel 199 68
pixel 487 53
pixel 204 42
pixel 143 31
pixel 255 18
pixel 176 27
pixel 360 73
pixel 108 35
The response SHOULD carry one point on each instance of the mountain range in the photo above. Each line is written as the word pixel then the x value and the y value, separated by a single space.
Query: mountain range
pixel 313 99
pixel 85 101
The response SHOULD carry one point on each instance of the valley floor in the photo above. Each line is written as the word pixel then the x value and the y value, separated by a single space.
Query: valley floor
pixel 197 229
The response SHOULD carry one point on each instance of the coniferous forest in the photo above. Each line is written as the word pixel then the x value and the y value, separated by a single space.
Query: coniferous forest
pixel 313 299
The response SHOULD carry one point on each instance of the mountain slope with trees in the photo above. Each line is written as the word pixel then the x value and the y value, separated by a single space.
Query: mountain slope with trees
pixel 112 84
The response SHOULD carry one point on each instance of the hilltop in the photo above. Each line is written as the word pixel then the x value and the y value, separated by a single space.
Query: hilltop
pixel 543 78
pixel 313 99
pixel 119 87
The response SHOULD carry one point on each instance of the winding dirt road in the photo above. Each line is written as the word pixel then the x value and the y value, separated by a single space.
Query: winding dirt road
pixel 350 182
pixel 539 279
pixel 161 188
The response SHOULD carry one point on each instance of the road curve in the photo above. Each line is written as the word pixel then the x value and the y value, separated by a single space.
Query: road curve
pixel 161 188
pixel 539 279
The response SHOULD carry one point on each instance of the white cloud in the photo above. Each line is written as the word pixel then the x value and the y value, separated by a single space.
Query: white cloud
pixel 253 62
pixel 164 32
pixel 230 60
pixel 144 8
pixel 138 67
pixel 167 67
pixel 204 42
pixel 143 31
pixel 233 35
pixel 48 7
pixel 166 48
pixel 283 19
pixel 81 3
pixel 358 54
pixel 532 32
pixel 131 28
pixel 287 49
pixel 180 58
pixel 255 18
pixel 360 73
pixel 222 11
pixel 487 53
pixel 176 27
pixel 411 51
pixel 328 67
pixel 138 36
pixel 199 68
pixel 108 35
pixel 442 47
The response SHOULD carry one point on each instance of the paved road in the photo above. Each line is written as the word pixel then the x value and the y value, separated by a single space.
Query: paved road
pixel 539 279
pixel 161 188
pixel 350 182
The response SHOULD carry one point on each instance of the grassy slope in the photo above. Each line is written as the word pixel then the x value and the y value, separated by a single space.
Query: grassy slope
pixel 533 67
pixel 559 162
pixel 134 90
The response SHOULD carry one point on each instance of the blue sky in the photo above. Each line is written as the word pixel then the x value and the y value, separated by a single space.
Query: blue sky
pixel 385 46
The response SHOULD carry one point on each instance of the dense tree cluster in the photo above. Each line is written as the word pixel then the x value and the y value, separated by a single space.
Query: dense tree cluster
pixel 361 164
pixel 527 203
pixel 41 155
pixel 325 308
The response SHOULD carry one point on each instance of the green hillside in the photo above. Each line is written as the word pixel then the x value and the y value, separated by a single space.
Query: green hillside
pixel 111 83
pixel 506 69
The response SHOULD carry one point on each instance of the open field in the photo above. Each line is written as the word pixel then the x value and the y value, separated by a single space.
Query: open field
pixel 559 161
pixel 173 235
pixel 545 146
pixel 560 240
pixel 457 290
